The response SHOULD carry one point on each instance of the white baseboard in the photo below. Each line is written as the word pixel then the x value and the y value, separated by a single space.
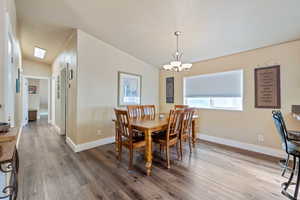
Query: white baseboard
pixel 89 145
pixel 71 144
pixel 241 145
pixel 56 128
pixel 19 136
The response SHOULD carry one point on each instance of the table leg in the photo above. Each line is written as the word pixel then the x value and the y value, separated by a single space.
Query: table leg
pixel 193 133
pixel 148 153
pixel 116 137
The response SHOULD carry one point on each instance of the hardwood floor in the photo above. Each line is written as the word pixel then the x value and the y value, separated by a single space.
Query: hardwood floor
pixel 49 170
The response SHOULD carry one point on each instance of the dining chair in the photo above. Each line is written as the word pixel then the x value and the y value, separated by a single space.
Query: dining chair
pixel 126 136
pixel 186 130
pixel 171 136
pixel 292 148
pixel 149 111
pixel 135 111
pixel 294 135
pixel 180 107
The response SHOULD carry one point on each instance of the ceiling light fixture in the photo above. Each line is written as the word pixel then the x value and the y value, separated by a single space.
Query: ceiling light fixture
pixel 39 53
pixel 177 65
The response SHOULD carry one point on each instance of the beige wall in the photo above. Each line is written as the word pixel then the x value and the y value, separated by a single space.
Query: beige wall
pixel 245 126
pixel 33 68
pixel 98 66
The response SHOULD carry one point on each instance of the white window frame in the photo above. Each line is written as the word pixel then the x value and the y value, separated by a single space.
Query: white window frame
pixel 211 107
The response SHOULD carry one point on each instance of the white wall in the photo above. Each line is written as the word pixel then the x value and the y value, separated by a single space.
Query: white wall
pixel 9 99
pixel 2 56
pixel 67 58
pixel 44 93
pixel 33 68
pixel 98 66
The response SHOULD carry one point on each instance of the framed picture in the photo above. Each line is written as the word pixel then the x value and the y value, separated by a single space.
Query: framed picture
pixel 18 81
pixel 17 85
pixel 32 89
pixel 129 89
pixel 170 90
pixel 267 87
pixel 58 87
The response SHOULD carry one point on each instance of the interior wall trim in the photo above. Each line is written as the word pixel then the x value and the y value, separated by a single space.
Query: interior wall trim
pixel 241 145
pixel 89 145
pixel 57 129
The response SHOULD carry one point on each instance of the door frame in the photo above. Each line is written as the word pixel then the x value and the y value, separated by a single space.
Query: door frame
pixel 66 68
pixel 49 93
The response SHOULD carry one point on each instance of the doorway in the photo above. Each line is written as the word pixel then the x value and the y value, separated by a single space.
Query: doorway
pixel 36 99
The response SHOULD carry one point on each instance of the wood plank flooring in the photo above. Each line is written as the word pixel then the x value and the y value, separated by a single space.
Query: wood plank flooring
pixel 49 170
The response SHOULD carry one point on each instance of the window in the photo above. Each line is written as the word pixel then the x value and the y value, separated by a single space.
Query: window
pixel 215 91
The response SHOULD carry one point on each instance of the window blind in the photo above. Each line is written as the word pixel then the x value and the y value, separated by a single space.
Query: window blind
pixel 224 84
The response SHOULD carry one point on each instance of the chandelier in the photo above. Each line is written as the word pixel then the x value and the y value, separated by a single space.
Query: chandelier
pixel 176 65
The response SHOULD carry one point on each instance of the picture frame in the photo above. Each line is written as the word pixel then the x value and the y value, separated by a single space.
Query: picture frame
pixel 58 87
pixel 32 89
pixel 267 87
pixel 129 89
pixel 18 82
pixel 170 90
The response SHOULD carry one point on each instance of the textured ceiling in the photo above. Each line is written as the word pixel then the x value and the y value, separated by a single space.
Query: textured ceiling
pixel 144 29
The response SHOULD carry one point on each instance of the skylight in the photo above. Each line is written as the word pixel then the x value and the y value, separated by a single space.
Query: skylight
pixel 39 53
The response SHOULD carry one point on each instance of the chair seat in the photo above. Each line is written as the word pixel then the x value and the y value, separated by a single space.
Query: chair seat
pixel 137 132
pixel 161 138
pixel 137 141
pixel 293 147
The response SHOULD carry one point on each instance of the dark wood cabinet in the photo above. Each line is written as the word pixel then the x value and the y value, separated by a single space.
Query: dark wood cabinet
pixel 32 115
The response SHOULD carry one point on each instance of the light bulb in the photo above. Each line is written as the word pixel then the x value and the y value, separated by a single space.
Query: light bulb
pixel 187 65
pixel 175 63
pixel 167 67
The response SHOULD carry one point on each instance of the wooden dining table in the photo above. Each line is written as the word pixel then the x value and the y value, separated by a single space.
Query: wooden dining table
pixel 150 126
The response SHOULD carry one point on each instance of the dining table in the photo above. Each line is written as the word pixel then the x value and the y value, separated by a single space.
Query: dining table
pixel 150 127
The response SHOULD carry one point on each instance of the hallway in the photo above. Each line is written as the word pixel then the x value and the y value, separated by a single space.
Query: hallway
pixel 49 170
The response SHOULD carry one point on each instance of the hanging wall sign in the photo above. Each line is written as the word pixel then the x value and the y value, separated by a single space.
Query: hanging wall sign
pixel 267 87
pixel 170 90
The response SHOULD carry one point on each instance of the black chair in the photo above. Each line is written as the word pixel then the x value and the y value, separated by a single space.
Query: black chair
pixel 292 148
pixel 292 135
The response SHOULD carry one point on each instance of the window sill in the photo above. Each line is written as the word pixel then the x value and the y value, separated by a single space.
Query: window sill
pixel 224 109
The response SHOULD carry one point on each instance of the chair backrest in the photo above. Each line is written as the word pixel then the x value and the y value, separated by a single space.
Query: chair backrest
pixel 187 120
pixel 135 111
pixel 180 107
pixel 277 118
pixel 174 124
pixel 124 125
pixel 149 111
pixel 282 119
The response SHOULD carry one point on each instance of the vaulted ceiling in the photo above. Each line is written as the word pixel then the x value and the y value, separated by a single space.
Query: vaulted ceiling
pixel 144 29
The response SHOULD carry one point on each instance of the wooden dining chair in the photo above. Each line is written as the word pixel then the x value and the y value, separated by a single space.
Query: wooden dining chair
pixel 126 136
pixel 186 129
pixel 180 107
pixel 171 136
pixel 149 111
pixel 135 111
